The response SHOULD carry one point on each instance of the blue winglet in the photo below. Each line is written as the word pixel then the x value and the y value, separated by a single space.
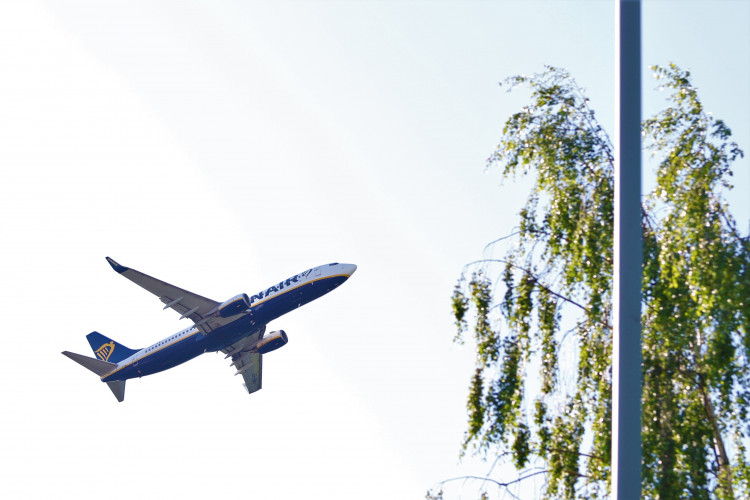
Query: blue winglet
pixel 117 267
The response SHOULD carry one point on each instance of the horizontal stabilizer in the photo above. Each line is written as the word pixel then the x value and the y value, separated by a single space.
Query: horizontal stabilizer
pixel 97 366
pixel 118 389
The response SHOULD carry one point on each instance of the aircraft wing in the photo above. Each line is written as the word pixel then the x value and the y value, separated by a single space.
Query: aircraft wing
pixel 249 364
pixel 188 304
pixel 254 374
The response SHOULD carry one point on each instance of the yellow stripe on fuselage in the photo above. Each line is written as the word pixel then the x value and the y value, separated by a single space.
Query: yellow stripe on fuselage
pixel 279 293
pixel 175 341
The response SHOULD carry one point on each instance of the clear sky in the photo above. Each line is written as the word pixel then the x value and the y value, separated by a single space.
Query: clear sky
pixel 225 145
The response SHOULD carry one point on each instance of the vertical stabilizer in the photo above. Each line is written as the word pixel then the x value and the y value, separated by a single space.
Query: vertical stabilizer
pixel 107 349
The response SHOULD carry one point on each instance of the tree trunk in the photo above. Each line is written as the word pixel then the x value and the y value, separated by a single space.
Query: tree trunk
pixel 725 469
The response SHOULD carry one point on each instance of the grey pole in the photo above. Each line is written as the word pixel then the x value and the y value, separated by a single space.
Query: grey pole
pixel 626 355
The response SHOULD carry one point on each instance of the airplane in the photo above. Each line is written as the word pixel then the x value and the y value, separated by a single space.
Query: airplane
pixel 236 327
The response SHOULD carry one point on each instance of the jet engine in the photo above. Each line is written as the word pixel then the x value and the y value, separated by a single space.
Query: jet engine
pixel 234 306
pixel 272 341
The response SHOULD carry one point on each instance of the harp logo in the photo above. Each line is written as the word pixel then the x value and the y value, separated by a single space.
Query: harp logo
pixel 105 351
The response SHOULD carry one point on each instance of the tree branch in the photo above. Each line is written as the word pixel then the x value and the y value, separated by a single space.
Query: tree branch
pixel 536 280
pixel 499 484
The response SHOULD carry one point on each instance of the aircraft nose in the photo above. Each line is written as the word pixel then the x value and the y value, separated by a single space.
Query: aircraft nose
pixel 348 269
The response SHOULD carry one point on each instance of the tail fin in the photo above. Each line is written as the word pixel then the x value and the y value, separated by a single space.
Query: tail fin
pixel 101 368
pixel 107 349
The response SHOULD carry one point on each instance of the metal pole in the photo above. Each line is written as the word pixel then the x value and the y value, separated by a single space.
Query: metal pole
pixel 626 355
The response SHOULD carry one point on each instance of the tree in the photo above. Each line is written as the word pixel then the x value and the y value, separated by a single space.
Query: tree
pixel 554 287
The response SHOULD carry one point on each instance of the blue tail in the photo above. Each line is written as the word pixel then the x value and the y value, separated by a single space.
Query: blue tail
pixel 107 349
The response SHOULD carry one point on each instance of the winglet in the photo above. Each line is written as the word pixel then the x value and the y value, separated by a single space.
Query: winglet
pixel 117 267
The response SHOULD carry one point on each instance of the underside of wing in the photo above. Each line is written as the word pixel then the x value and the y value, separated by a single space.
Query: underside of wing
pixel 190 305
pixel 247 361
pixel 250 366
pixel 253 372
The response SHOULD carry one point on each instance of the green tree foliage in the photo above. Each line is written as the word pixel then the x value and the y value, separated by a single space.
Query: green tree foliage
pixel 541 392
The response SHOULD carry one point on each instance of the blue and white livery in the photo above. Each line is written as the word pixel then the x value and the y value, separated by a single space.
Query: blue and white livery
pixel 236 327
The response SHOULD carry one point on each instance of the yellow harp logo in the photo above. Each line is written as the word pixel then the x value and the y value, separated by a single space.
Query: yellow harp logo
pixel 105 351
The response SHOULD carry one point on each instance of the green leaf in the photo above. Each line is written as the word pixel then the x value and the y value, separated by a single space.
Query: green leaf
pixel 556 301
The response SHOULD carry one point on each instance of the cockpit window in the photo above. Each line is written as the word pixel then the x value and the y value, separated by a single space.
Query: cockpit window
pixel 334 264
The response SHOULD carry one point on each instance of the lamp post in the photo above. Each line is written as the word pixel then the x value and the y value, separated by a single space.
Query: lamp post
pixel 626 354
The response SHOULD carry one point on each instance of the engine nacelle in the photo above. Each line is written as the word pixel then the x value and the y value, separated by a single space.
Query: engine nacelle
pixel 272 341
pixel 234 306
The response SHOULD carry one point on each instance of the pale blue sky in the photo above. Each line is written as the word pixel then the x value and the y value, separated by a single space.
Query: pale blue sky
pixel 222 146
